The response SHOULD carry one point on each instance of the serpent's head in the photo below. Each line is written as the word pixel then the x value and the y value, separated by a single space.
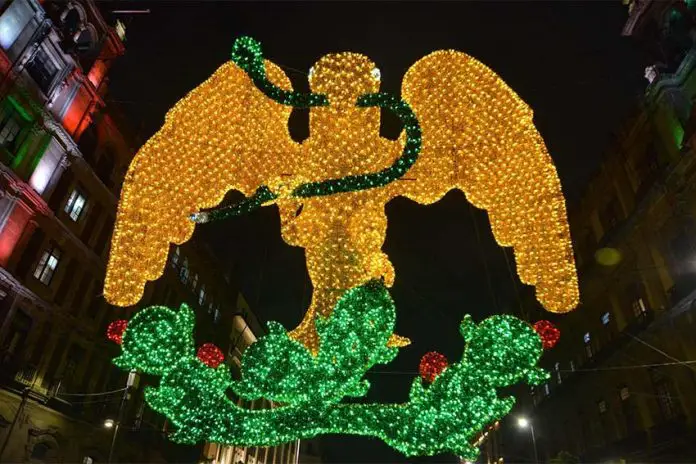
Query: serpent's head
pixel 343 77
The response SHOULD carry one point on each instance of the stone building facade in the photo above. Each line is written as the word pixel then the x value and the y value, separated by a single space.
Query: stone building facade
pixel 64 150
pixel 623 383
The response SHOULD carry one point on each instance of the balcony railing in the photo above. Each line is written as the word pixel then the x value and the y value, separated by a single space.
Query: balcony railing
pixel 26 374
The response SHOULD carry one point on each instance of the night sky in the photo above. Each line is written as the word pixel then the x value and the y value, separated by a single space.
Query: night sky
pixel 567 60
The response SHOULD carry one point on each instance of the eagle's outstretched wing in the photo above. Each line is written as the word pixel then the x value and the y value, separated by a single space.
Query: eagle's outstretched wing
pixel 212 142
pixel 478 136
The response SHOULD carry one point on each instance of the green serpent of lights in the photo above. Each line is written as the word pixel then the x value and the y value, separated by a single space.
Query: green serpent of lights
pixel 246 53
pixel 444 416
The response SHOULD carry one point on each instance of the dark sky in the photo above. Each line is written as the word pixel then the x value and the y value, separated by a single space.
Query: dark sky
pixel 567 60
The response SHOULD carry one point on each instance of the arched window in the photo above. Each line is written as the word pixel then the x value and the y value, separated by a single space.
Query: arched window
pixel 84 40
pixel 184 271
pixel 71 22
pixel 44 451
pixel 40 451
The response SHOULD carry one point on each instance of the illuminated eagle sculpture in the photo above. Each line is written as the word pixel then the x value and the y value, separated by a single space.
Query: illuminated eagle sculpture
pixel 464 128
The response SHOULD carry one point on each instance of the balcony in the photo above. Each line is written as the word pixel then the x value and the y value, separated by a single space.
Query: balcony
pixel 26 375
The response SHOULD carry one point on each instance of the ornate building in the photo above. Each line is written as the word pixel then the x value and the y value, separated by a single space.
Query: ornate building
pixel 623 380
pixel 63 154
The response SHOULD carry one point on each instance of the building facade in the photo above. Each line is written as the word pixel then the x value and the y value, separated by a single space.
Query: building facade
pixel 245 329
pixel 623 383
pixel 63 154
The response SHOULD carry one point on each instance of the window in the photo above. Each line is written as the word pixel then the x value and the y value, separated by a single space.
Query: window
pixel 10 126
pixel 606 317
pixel 624 393
pixel 664 391
pixel 602 406
pixel 43 69
pixel 572 366
pixel 176 257
pixel 13 21
pixel 73 359
pixel 216 316
pixel 40 451
pixel 47 265
pixel 638 307
pixel 194 281
pixel 75 205
pixel 557 368
pixel 610 215
pixel 184 271
pixel 665 399
pixel 201 295
pixel 588 345
pixel 14 342
pixel 120 30
pixel 547 390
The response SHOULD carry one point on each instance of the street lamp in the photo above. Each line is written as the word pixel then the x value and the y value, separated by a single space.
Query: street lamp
pixel 523 423
pixel 109 423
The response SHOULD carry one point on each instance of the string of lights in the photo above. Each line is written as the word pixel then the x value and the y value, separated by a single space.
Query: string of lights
pixel 110 392
pixel 595 369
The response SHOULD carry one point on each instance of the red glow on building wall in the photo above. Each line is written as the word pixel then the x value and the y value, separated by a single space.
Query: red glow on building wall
pixel 12 232
pixel 96 74
pixel 76 112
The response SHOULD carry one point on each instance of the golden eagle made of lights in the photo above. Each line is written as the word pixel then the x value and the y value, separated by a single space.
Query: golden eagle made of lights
pixel 231 133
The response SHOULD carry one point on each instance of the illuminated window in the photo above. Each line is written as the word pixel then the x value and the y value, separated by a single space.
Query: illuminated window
pixel 120 30
pixel 194 281
pixel 547 390
pixel 624 393
pixel 43 69
pixel 638 307
pixel 201 295
pixel 216 317
pixel 46 167
pixel 602 406
pixel 606 317
pixel 586 338
pixel 47 265
pixel 13 21
pixel 75 205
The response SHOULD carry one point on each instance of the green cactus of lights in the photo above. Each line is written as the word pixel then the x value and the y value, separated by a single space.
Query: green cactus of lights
pixel 444 416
